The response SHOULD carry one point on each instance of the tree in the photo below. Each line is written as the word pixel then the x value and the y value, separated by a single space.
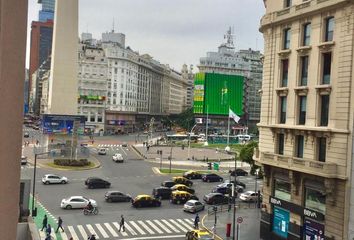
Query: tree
pixel 246 155
pixel 185 119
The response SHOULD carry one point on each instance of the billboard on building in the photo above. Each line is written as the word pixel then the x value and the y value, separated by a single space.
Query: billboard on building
pixel 216 93
pixel 62 124
pixel 281 220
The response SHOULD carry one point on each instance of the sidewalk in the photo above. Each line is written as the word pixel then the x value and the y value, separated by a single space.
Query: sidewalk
pixel 248 229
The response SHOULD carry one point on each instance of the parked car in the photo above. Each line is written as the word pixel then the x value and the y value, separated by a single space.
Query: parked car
pixel 26 135
pixel 124 144
pixel 237 182
pixel 162 192
pixel 215 198
pixel 102 151
pixel 179 197
pixel 52 178
pixel 249 196
pixel 212 177
pixel 23 160
pixel 222 189
pixel 93 182
pixel 145 201
pixel 238 188
pixel 239 172
pixel 182 180
pixel 76 202
pixel 193 206
pixel 168 184
pixel 192 175
pixel 196 234
pixel 181 187
pixel 118 158
pixel 116 196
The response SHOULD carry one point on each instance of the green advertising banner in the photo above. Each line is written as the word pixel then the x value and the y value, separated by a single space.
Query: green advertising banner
pixel 223 92
pixel 199 81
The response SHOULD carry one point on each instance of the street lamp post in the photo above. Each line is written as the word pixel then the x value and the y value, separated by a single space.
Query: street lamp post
pixel 234 202
pixel 189 139
pixel 34 210
pixel 255 185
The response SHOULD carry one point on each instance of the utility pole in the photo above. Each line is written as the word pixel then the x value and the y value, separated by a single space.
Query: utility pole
pixel 234 201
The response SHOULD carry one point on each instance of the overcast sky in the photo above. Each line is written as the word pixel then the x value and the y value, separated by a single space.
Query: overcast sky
pixel 172 31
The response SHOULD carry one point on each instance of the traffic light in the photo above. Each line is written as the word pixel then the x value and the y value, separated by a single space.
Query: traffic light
pixel 209 166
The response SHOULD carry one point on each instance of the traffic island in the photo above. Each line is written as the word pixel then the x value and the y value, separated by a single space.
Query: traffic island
pixel 59 164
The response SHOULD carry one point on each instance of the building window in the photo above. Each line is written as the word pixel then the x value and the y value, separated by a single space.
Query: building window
pixel 287 3
pixel 304 62
pixel 286 43
pixel 302 110
pixel 300 146
pixel 282 189
pixel 324 104
pixel 282 118
pixel 115 70
pixel 92 119
pixel 321 152
pixel 315 200
pixel 326 67
pixel 306 34
pixel 284 70
pixel 329 29
pixel 280 144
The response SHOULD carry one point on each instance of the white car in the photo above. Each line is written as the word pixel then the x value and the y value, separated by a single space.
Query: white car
pixel 102 151
pixel 193 206
pixel 52 178
pixel 76 202
pixel 249 196
pixel 118 158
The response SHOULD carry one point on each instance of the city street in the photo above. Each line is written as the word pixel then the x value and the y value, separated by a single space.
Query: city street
pixel 133 177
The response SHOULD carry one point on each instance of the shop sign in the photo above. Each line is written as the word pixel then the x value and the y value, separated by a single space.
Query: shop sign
pixel 313 230
pixel 281 220
pixel 296 209
pixel 116 122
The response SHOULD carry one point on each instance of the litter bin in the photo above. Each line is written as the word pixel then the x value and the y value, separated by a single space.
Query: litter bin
pixel 216 166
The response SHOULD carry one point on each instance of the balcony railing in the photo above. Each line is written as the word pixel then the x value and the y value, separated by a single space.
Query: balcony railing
pixel 324 169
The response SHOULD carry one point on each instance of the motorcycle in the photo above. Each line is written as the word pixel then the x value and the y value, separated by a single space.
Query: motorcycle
pixel 93 211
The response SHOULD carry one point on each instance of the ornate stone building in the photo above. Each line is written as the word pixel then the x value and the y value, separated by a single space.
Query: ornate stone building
pixel 306 126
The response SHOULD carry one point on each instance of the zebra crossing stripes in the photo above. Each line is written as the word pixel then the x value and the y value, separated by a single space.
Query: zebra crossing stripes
pixel 111 230
pixel 144 228
pixel 109 145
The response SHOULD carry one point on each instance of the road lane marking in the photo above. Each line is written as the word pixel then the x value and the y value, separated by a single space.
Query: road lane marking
pixel 54 236
pixel 137 227
pixel 72 232
pixel 146 227
pixel 91 230
pixel 82 231
pixel 127 227
pixel 102 231
pixel 179 226
pixel 189 221
pixel 184 224
pixel 163 226
pixel 154 227
pixel 114 233
pixel 170 225
pixel 157 237
pixel 124 151
pixel 63 235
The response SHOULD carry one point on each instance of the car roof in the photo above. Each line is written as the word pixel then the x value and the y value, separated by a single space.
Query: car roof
pixel 114 192
pixel 143 195
pixel 192 201
pixel 180 192
pixel 179 185
pixel 162 187
pixel 76 197
pixel 212 194
pixel 47 175
pixel 168 181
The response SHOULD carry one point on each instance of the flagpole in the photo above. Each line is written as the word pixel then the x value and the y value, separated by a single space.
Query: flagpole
pixel 228 128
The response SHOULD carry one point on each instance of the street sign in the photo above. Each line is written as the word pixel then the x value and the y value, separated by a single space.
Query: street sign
pixel 239 220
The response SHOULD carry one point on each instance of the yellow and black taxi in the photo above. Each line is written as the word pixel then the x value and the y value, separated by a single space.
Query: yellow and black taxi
pixel 182 180
pixel 181 187
pixel 145 201
pixel 192 175
pixel 197 234
pixel 179 197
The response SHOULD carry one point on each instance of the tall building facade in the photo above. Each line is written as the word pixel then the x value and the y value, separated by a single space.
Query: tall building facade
pixel 246 63
pixel 47 11
pixel 306 127
pixel 188 75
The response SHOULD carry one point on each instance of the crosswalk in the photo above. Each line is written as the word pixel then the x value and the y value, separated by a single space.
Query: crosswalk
pixel 133 229
pixel 109 145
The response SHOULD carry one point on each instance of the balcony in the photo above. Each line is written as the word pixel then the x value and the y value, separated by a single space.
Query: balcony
pixel 323 169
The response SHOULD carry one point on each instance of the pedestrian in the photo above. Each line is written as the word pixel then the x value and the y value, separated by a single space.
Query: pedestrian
pixel 48 237
pixel 44 223
pixel 49 230
pixel 121 224
pixel 196 221
pixel 60 225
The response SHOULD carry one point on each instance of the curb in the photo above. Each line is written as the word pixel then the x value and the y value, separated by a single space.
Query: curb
pixel 138 152
pixel 216 237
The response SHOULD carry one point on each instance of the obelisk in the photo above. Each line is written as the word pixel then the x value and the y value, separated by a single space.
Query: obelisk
pixel 62 97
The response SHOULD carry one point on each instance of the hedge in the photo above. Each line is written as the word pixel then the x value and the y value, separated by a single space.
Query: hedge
pixel 72 162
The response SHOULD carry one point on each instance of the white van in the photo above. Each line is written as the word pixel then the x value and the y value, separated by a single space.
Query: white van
pixel 242 138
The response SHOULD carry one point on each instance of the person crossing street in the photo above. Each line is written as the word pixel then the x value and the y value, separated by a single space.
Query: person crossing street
pixel 121 224
pixel 44 223
pixel 60 225
pixel 196 221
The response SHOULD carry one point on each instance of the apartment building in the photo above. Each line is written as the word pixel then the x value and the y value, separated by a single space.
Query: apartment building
pixel 306 126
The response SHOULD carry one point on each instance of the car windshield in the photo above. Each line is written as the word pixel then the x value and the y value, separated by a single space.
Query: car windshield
pixel 85 199
pixel 189 204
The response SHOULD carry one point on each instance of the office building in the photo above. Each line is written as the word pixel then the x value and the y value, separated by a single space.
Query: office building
pixel 188 76
pixel 245 63
pixel 306 127
pixel 47 11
